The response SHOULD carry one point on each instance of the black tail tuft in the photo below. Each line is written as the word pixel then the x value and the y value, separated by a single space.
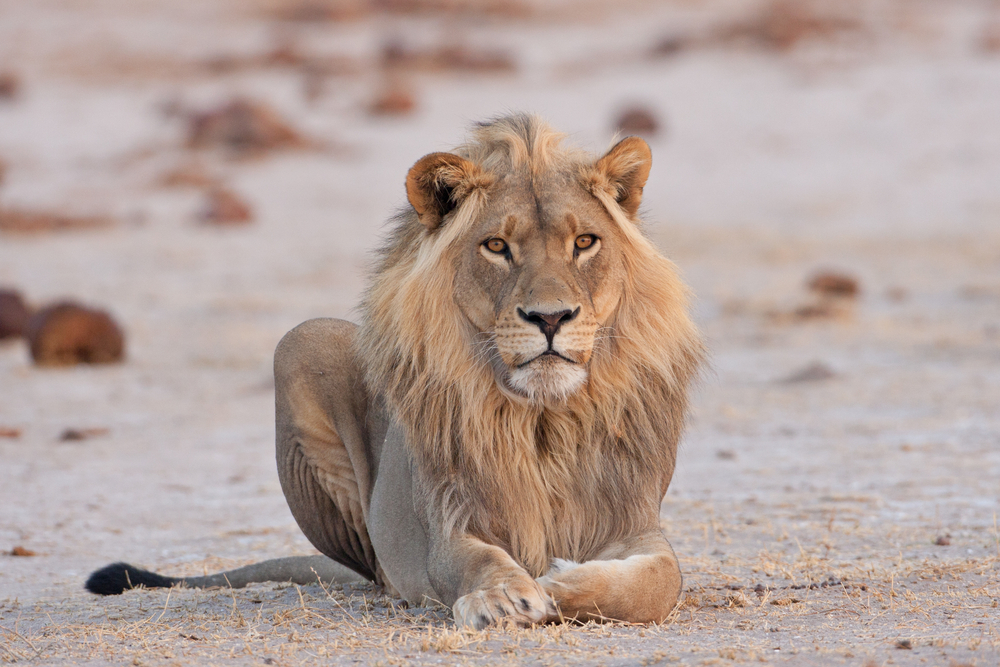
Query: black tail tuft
pixel 116 578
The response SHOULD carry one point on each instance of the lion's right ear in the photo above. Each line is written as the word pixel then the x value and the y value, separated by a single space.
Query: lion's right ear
pixel 438 183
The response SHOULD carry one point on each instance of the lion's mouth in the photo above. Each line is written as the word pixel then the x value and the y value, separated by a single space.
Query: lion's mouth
pixel 546 353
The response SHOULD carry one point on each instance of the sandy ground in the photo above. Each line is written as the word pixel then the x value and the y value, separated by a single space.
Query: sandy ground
pixel 844 517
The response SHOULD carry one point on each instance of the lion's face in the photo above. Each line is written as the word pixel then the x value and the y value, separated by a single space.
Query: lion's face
pixel 538 275
pixel 538 258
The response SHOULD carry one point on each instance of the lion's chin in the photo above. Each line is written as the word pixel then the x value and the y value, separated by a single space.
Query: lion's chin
pixel 548 379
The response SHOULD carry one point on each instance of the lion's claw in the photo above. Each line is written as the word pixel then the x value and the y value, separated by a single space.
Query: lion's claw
pixel 523 603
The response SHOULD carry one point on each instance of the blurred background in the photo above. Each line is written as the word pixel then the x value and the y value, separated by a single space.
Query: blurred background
pixel 199 176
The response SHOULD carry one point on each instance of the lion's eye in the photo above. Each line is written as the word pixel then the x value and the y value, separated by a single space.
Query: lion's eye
pixel 498 246
pixel 584 241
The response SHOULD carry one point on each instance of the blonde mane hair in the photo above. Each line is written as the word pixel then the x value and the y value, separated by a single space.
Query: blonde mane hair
pixel 523 476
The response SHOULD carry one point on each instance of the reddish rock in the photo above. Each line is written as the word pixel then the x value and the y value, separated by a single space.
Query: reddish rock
pixel 989 42
pixel 783 24
pixel 446 58
pixel 67 334
pixel 14 314
pixel 21 551
pixel 830 283
pixel 73 434
pixel 814 372
pixel 225 207
pixel 243 127
pixel 39 222
pixel 638 120
pixel 10 86
pixel 192 175
pixel 393 101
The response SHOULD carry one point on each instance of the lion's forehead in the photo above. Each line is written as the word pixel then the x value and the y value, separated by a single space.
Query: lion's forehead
pixel 542 215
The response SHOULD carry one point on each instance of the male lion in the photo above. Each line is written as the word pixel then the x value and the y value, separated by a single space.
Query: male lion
pixel 499 432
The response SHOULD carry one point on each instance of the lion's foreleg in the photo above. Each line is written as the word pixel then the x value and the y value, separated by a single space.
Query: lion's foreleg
pixel 485 585
pixel 641 585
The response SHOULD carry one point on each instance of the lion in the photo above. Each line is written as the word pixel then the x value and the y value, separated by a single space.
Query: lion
pixel 499 432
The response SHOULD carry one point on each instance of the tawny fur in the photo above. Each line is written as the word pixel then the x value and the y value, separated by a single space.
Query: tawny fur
pixel 532 477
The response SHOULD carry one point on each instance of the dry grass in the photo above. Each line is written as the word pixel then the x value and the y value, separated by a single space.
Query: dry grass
pixel 798 582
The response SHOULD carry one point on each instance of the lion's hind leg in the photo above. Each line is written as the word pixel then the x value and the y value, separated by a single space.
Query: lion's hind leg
pixel 321 409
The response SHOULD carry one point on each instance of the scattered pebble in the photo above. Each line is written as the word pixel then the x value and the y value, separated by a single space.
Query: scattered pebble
pixel 637 120
pixel 76 434
pixel 943 540
pixel 243 127
pixel 725 454
pixel 830 283
pixel 14 314
pixel 12 433
pixel 785 601
pixel 904 644
pixel 21 551
pixel 814 372
pixel 10 86
pixel 225 207
pixel 67 334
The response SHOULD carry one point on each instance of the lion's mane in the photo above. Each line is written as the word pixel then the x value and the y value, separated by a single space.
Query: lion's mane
pixel 525 477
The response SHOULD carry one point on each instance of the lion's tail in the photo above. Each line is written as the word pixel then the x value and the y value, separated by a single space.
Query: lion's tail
pixel 116 578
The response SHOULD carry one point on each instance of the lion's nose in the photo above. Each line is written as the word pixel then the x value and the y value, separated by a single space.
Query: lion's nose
pixel 549 323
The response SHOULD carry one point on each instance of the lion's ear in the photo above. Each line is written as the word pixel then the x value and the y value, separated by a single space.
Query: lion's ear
pixel 624 170
pixel 436 185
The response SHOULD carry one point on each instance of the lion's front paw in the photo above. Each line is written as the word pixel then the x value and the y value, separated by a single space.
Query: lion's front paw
pixel 522 602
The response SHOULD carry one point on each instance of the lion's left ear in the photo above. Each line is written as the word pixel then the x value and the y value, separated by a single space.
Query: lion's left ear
pixel 623 171
pixel 438 183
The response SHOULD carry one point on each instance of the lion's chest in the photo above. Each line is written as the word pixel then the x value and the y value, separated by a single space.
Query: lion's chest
pixel 564 508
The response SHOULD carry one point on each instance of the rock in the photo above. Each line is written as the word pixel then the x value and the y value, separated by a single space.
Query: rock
pixel 783 24
pixel 225 207
pixel 67 334
pixel 76 434
pixel 943 540
pixel 14 314
pixel 190 175
pixel 243 127
pixel 10 86
pixel 637 120
pixel 830 283
pixel 311 11
pixel 670 45
pixel 38 222
pixel 21 551
pixel 395 56
pixel 394 100
pixel 814 372
pixel 12 433
pixel 989 41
